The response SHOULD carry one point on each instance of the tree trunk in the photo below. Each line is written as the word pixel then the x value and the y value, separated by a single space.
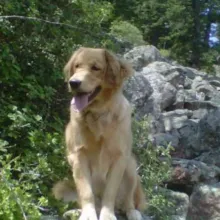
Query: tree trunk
pixel 196 34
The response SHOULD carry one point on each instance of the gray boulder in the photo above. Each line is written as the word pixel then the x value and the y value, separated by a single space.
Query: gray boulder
pixel 163 94
pixel 192 172
pixel 137 90
pixel 210 157
pixel 163 139
pixel 205 203
pixel 143 55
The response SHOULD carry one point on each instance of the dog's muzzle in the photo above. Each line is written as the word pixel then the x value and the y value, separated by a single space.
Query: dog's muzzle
pixel 75 84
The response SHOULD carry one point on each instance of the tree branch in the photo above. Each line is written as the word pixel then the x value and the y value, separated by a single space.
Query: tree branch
pixel 36 19
pixel 110 36
pixel 17 199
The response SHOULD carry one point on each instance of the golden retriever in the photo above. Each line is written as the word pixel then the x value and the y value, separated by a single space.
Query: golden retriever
pixel 99 139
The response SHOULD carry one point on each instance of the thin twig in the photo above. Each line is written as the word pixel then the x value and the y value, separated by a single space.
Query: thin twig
pixel 36 19
pixel 15 196
pixel 54 23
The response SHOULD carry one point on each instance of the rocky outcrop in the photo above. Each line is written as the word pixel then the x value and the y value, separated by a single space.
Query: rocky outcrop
pixel 183 103
pixel 183 107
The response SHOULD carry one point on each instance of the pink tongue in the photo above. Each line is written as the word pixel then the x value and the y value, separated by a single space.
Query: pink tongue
pixel 80 102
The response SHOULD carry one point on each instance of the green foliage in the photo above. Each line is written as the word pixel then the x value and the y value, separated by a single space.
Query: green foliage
pixel 29 164
pixel 127 32
pixel 34 100
pixel 153 170
pixel 165 53
pixel 209 58
pixel 101 11
pixel 16 199
pixel 183 27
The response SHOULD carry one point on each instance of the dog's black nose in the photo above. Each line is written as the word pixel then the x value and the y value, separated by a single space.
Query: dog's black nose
pixel 74 84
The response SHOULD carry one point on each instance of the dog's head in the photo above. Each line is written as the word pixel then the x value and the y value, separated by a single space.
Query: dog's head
pixel 90 72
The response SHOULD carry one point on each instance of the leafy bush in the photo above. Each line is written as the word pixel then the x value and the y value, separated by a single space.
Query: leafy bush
pixel 126 31
pixel 16 198
pixel 152 169
pixel 209 58
pixel 165 53
pixel 32 160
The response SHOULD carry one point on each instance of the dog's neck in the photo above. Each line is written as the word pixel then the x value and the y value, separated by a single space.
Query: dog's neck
pixel 103 116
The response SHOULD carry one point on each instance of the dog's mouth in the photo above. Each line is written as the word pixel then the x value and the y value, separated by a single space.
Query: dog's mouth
pixel 82 99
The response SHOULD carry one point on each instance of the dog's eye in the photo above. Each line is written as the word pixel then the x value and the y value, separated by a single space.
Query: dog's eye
pixel 95 68
pixel 77 65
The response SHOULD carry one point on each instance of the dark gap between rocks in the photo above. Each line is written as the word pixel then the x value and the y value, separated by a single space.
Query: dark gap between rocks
pixel 188 189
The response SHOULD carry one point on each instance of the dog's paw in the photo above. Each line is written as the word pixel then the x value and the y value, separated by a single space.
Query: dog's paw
pixel 134 214
pixel 88 213
pixel 106 214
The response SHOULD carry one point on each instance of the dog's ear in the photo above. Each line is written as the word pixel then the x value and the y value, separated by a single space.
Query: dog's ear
pixel 126 69
pixel 116 70
pixel 69 67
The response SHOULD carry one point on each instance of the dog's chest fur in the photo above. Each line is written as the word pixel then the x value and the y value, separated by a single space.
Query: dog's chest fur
pixel 101 125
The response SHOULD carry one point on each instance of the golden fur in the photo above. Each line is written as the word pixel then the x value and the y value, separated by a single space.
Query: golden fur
pixel 99 140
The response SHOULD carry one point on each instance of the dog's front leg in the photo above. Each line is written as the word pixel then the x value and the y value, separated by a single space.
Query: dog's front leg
pixel 82 177
pixel 113 182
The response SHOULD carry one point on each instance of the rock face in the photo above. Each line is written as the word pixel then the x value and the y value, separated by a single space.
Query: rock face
pixel 183 105
pixel 205 203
